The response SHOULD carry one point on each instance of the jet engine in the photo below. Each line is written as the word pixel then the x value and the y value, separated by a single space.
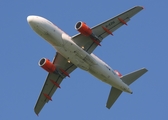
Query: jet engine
pixel 118 73
pixel 47 65
pixel 83 28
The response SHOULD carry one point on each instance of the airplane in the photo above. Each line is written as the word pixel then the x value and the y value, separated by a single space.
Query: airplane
pixel 77 51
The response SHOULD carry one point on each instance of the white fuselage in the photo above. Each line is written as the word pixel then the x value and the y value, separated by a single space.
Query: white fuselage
pixel 75 54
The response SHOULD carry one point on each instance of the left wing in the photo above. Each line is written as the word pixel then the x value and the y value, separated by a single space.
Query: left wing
pixel 99 30
pixel 49 87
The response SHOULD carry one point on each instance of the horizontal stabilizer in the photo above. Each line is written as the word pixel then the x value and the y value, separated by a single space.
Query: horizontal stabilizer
pixel 114 94
pixel 128 79
pixel 131 77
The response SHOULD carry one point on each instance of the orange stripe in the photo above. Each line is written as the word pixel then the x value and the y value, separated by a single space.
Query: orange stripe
pixel 107 30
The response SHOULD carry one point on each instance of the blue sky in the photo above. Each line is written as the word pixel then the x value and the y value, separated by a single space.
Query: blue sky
pixel 143 43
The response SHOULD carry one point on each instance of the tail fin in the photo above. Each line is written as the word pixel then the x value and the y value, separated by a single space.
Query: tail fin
pixel 131 77
pixel 128 79
pixel 114 94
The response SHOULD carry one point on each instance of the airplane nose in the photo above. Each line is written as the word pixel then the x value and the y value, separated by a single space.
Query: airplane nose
pixel 30 19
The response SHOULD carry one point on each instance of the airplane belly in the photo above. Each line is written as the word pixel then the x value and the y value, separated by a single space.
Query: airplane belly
pixel 76 60
pixel 107 76
pixel 73 54
pixel 100 73
pixel 88 62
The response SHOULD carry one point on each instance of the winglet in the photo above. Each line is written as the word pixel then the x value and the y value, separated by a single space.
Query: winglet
pixel 37 114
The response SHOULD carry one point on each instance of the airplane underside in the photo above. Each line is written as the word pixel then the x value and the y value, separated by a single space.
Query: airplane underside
pixel 76 51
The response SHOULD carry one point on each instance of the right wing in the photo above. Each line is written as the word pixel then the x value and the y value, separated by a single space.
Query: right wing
pixel 49 88
pixel 111 24
pixel 114 94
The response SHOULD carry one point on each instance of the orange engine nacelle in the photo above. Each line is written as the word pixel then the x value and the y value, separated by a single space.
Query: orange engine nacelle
pixel 83 28
pixel 47 65
pixel 118 73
